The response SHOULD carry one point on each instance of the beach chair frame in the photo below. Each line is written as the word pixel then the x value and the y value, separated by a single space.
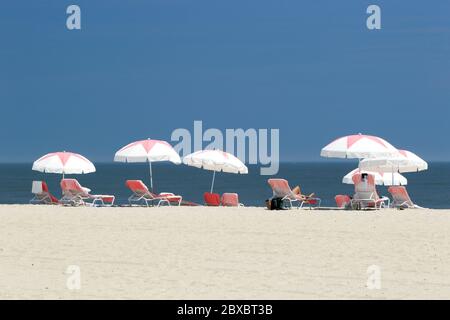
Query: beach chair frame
pixel 148 197
pixel 301 203
pixel 77 196
pixel 365 203
pixel 287 196
pixel 45 199
pixel 41 196
pixel 405 202
pixel 81 200
pixel 374 199
pixel 150 202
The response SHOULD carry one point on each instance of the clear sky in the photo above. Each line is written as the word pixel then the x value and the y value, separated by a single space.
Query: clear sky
pixel 141 69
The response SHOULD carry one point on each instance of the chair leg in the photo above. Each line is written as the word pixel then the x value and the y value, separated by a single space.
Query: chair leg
pixel 163 201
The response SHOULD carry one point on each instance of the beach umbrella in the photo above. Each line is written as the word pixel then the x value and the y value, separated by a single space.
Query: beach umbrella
pixel 148 151
pixel 404 161
pixel 359 146
pixel 381 178
pixel 217 161
pixel 63 163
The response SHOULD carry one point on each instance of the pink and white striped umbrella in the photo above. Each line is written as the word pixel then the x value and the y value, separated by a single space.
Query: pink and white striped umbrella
pixel 419 163
pixel 63 163
pixel 359 146
pixel 148 151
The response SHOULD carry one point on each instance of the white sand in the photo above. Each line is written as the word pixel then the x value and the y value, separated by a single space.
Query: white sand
pixel 222 253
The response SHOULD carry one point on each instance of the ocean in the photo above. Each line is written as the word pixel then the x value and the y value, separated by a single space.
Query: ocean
pixel 429 188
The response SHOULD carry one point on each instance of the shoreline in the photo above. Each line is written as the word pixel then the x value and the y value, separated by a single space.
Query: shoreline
pixel 223 253
pixel 294 208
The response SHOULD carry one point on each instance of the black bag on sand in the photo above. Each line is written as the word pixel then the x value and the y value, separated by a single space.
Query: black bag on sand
pixel 274 204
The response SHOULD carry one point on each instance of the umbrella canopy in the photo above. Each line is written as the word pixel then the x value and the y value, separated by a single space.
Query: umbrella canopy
pixel 404 161
pixel 63 163
pixel 359 146
pixel 215 160
pixel 148 151
pixel 381 178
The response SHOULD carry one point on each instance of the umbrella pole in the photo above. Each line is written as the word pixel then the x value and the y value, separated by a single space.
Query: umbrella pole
pixel 212 184
pixel 151 175
pixel 63 169
pixel 59 183
pixel 392 175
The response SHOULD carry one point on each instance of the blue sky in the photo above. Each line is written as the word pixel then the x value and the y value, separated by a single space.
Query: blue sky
pixel 141 69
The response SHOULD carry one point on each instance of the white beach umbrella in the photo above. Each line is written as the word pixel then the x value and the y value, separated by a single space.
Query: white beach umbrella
pixel 404 161
pixel 148 151
pixel 63 163
pixel 381 178
pixel 358 146
pixel 215 160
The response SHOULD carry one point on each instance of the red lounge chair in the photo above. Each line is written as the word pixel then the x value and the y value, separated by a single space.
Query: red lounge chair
pixel 231 200
pixel 211 199
pixel 281 189
pixel 74 194
pixel 401 197
pixel 142 194
pixel 366 195
pixel 41 194
pixel 343 201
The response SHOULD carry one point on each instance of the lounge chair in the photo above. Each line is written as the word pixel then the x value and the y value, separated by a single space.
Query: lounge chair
pixel 142 194
pixel 366 195
pixel 211 199
pixel 281 189
pixel 230 200
pixel 41 194
pixel 74 194
pixel 343 201
pixel 401 198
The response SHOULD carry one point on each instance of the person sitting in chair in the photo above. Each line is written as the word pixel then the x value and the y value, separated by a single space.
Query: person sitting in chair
pixel 297 190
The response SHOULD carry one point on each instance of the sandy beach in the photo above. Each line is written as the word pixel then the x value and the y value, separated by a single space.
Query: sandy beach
pixel 222 253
